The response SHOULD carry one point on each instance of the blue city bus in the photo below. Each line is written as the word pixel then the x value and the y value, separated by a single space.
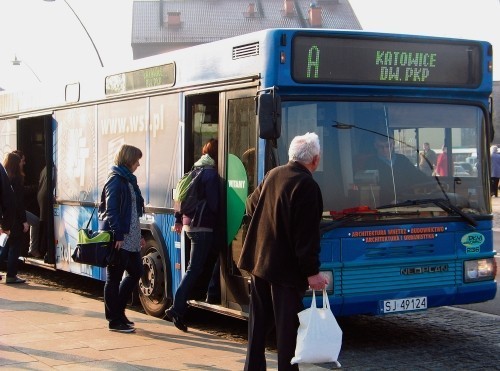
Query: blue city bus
pixel 391 242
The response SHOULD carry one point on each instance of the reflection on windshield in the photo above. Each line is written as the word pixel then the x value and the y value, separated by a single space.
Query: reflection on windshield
pixel 376 154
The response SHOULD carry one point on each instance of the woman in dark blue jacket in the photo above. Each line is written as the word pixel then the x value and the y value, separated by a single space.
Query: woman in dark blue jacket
pixel 199 227
pixel 121 207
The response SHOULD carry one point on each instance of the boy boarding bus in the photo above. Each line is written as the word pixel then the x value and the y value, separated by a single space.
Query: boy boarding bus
pixel 393 238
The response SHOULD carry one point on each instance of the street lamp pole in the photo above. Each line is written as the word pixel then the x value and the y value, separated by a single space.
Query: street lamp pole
pixel 17 62
pixel 87 32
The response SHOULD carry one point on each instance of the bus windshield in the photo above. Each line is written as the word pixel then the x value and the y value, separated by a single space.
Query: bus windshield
pixel 375 155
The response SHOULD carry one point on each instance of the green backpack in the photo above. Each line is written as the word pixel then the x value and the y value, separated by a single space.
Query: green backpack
pixel 187 192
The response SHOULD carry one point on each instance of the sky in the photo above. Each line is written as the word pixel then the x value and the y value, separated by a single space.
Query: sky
pixel 53 46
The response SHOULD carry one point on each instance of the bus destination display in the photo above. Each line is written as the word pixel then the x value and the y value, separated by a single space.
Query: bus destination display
pixel 163 75
pixel 319 59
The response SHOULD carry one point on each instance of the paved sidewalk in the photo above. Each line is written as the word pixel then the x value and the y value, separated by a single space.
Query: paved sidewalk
pixel 44 328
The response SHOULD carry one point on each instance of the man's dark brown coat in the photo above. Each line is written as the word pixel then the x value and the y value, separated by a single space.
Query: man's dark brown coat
pixel 282 244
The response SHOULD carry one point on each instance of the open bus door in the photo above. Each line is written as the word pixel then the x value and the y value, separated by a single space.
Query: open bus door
pixel 241 180
pixel 230 117
pixel 201 125
pixel 34 139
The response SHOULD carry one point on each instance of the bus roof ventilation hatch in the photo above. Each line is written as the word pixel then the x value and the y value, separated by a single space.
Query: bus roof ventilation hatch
pixel 244 51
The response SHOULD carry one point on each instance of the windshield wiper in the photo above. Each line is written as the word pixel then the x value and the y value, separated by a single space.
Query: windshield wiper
pixel 349 217
pixel 328 226
pixel 444 204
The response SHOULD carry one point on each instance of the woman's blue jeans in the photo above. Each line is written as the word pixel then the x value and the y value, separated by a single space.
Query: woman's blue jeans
pixel 117 291
pixel 201 246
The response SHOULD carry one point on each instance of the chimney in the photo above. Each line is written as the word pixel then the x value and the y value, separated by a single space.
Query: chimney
pixel 289 8
pixel 173 19
pixel 315 15
pixel 250 13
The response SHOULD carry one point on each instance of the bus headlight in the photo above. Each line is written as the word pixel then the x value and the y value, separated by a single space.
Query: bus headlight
pixel 479 270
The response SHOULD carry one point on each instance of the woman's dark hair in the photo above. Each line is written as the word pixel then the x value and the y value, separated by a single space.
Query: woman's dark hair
pixel 12 165
pixel 21 155
pixel 18 152
pixel 210 148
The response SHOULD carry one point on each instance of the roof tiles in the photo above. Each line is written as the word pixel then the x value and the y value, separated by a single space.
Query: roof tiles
pixel 211 20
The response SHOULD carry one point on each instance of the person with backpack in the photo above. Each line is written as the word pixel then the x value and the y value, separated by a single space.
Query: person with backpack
pixel 198 223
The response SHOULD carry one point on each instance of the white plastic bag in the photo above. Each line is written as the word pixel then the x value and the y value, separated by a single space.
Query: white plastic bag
pixel 319 337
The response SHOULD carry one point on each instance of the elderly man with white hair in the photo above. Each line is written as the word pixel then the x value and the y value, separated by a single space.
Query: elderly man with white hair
pixel 281 251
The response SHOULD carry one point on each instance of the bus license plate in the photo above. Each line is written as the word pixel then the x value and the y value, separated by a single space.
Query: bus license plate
pixel 404 305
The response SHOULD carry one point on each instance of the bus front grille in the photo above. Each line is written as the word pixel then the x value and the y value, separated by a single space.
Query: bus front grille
pixel 380 278
pixel 395 251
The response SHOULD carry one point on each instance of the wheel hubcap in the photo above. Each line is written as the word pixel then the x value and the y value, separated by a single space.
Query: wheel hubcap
pixel 149 284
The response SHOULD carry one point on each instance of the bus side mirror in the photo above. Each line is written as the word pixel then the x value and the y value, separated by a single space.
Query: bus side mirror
pixel 268 119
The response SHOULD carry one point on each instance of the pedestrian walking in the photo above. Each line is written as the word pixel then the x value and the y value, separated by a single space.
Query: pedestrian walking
pixel 121 207
pixel 495 170
pixel 7 208
pixel 12 248
pixel 199 226
pixel 442 162
pixel 428 159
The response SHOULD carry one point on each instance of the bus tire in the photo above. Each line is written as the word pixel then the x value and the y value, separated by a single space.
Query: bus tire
pixel 153 285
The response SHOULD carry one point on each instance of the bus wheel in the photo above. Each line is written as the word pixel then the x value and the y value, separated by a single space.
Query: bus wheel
pixel 153 283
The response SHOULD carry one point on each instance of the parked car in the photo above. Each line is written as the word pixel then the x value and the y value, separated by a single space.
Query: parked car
pixel 460 171
pixel 467 167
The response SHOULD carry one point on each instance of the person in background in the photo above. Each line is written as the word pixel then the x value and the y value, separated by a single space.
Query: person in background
pixel 12 165
pixel 46 199
pixel 121 207
pixel 495 170
pixel 281 251
pixel 7 206
pixel 199 228
pixel 428 160
pixel 442 163
pixel 248 159
pixel 32 219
